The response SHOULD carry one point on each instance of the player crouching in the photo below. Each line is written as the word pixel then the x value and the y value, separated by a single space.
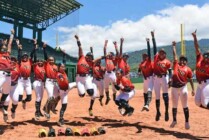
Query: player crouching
pixel 127 92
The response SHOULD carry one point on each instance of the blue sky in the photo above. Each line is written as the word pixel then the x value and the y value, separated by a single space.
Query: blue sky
pixel 132 19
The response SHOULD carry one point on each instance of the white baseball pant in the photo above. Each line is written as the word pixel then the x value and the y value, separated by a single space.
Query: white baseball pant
pixel 14 95
pixel 5 82
pixel 148 84
pixel 158 83
pixel 51 87
pixel 109 78
pixel 24 85
pixel 181 92
pixel 202 94
pixel 125 95
pixel 100 86
pixel 38 87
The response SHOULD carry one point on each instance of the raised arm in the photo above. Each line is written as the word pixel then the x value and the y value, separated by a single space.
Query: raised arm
pixel 175 58
pixel 80 50
pixel 154 43
pixel 121 47
pixel 9 46
pixel 45 53
pixel 105 48
pixel 196 45
pixel 192 85
pixel 34 49
pixel 116 48
pixel 19 55
pixel 148 48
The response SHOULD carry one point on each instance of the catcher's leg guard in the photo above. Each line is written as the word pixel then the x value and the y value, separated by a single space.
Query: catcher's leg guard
pixel 90 92
pixel 157 103
pixel 186 114
pixel 117 103
pixel 166 102
pixel 174 112
pixel 128 109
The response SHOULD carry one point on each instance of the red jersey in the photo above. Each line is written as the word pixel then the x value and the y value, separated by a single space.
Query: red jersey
pixel 25 68
pixel 161 66
pixel 202 69
pixel 83 67
pixel 62 81
pixel 124 66
pixel 146 68
pixel 98 72
pixel 5 62
pixel 181 74
pixel 39 72
pixel 15 73
pixel 110 64
pixel 50 70
pixel 126 83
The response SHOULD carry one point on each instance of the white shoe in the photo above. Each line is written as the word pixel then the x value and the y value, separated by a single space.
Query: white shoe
pixel 4 111
pixel 146 107
pixel 173 124
pixel 121 110
pixel 5 118
pixel 187 126
pixel 13 115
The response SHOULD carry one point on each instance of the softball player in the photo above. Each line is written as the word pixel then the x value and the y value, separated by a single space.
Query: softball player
pixel 84 78
pixel 14 95
pixel 126 93
pixel 24 82
pixel 38 84
pixel 122 60
pixel 110 77
pixel 202 70
pixel 146 68
pixel 5 69
pixel 51 81
pixel 181 74
pixel 161 66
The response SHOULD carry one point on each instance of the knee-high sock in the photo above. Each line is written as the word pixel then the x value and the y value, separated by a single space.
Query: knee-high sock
pixel 166 101
pixel 13 109
pixel 62 110
pixel 186 114
pixel 174 111
pixel 91 104
pixel 157 103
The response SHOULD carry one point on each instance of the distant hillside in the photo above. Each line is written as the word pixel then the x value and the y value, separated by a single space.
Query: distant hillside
pixel 136 56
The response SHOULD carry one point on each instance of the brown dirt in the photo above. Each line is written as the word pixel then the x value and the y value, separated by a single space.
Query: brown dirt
pixel 141 125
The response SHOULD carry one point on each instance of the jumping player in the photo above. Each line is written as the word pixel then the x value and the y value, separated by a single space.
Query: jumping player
pixel 146 68
pixel 161 66
pixel 181 74
pixel 202 70
pixel 126 93
pixel 122 60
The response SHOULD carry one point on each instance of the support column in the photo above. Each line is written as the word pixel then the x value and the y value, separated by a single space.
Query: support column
pixel 39 36
pixel 20 32
pixel 15 27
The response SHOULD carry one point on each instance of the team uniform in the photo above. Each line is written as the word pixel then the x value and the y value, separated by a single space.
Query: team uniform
pixel 202 94
pixel 146 68
pixel 124 66
pixel 160 68
pixel 181 74
pixel 126 93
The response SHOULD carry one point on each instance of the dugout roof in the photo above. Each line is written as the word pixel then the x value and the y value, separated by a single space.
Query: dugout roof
pixel 41 13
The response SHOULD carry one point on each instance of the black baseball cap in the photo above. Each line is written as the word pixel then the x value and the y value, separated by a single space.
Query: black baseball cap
pixel 183 57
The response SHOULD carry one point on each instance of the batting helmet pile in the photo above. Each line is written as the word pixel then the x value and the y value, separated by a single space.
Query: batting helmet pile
pixel 42 133
pixel 51 132
pixel 68 132
pixel 101 130
pixel 85 132
pixel 94 131
pixel 76 132
pixel 61 132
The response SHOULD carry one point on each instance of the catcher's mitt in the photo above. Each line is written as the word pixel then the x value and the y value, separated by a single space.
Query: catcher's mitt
pixel 51 132
pixel 61 132
pixel 68 132
pixel 101 130
pixel 85 132
pixel 76 132
pixel 94 131
pixel 42 133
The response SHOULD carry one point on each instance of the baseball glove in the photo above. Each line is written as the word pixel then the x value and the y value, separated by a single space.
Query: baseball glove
pixel 51 132
pixel 101 130
pixel 42 133
pixel 85 132
pixel 94 131
pixel 68 132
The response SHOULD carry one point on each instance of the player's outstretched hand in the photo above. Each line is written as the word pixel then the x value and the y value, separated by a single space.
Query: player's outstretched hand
pixel 147 39
pixel 12 31
pixel 153 33
pixel 106 41
pixel 194 33
pixel 174 43
pixel 76 37
pixel 121 39
pixel 114 42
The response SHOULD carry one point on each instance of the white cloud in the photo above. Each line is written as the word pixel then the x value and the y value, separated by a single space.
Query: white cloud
pixel 166 24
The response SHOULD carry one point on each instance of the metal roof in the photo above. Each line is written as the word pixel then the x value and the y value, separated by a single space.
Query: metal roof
pixel 41 13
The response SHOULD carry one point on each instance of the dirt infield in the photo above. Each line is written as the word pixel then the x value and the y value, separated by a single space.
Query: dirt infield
pixel 141 125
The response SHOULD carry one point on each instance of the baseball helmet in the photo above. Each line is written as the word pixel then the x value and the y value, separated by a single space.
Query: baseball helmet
pixel 25 54
pixel 94 131
pixel 42 133
pixel 76 132
pixel 101 130
pixel 51 132
pixel 61 132
pixel 13 59
pixel 183 57
pixel 68 132
pixel 120 70
pixel 125 55
pixel 85 132
pixel 112 53
pixel 162 50
pixel 89 54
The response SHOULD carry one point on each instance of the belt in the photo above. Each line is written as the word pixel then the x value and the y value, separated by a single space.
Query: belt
pixel 99 79
pixel 7 73
pixel 13 83
pixel 147 77
pixel 83 75
pixel 177 85
pixel 25 78
pixel 160 76
pixel 52 80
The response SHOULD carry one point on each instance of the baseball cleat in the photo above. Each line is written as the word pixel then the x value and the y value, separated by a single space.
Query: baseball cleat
pixel 157 118
pixel 90 112
pixel 107 100
pixel 121 110
pixel 166 116
pixel 24 104
pixel 47 116
pixel 37 116
pixel 41 114
pixel 146 107
pixel 131 111
pixel 173 124
pixel 101 103
pixel 60 122
pixel 5 117
pixel 4 111
pixel 187 126
pixel 13 115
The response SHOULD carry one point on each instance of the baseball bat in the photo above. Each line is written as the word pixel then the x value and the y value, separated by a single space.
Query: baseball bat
pixel 91 49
